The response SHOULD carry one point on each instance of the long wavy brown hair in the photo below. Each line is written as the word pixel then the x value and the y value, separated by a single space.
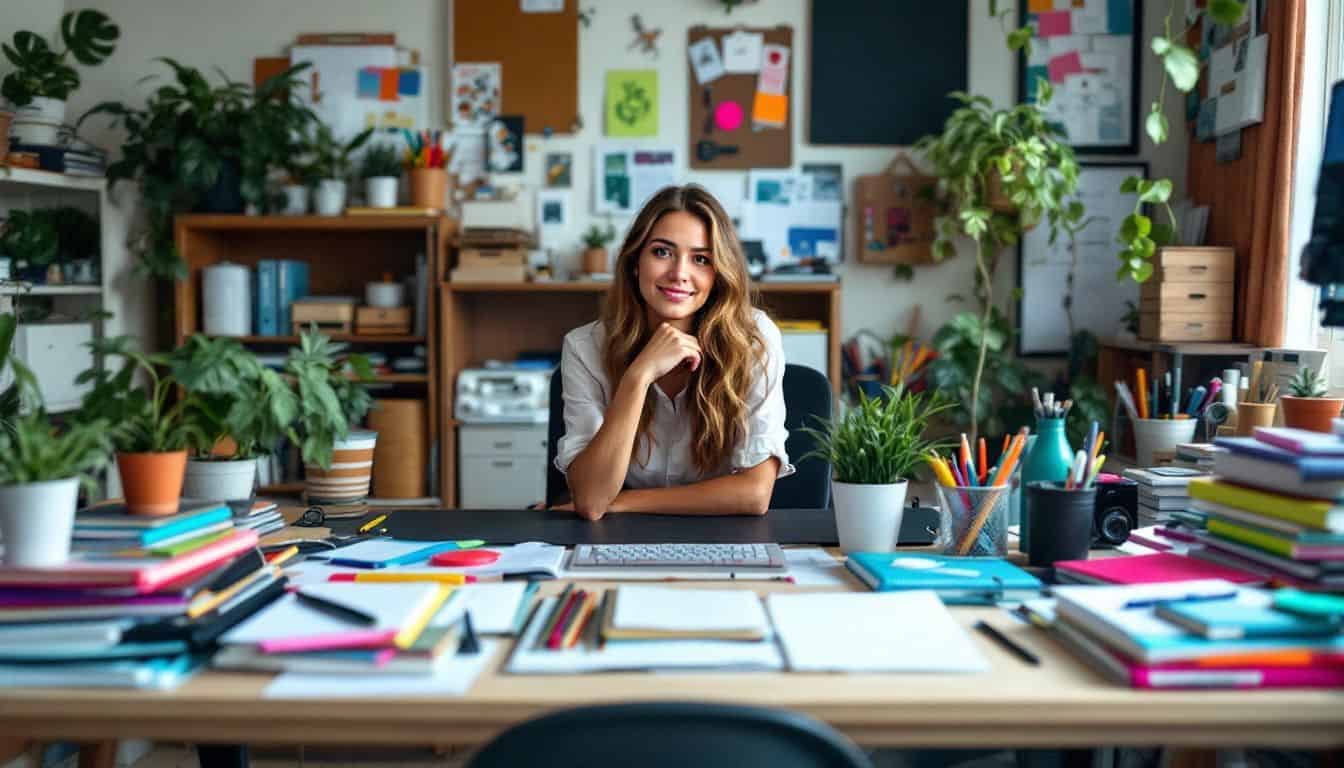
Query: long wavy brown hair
pixel 730 343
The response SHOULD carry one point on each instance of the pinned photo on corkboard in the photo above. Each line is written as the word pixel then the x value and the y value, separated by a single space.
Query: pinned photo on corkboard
pixel 504 144
pixel 559 167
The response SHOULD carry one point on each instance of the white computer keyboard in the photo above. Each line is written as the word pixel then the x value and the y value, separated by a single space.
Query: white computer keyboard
pixel 678 555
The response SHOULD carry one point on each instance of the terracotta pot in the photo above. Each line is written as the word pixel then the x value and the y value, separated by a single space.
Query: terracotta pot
pixel 595 260
pixel 1313 413
pixel 429 188
pixel 347 482
pixel 1252 415
pixel 152 482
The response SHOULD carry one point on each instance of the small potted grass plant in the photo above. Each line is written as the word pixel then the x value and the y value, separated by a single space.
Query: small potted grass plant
pixel 874 448
pixel 332 166
pixel 381 170
pixel 1308 407
pixel 150 430
pixel 241 409
pixel 595 241
pixel 42 468
pixel 333 397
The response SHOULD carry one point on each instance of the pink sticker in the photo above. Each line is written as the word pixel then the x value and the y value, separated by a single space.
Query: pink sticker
pixel 728 116
pixel 1054 23
pixel 1064 65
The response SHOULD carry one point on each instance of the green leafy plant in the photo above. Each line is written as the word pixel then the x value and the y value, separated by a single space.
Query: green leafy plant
pixel 880 440
pixel 1308 383
pixel 188 135
pixel 999 402
pixel 330 400
pixel 233 396
pixel 380 160
pixel 142 419
pixel 40 71
pixel 331 156
pixel 77 234
pixel 11 396
pixel 598 237
pixel 30 237
pixel 35 450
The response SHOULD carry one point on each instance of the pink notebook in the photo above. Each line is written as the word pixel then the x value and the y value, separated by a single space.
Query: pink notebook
pixel 1151 569
pixel 1178 676
pixel 146 575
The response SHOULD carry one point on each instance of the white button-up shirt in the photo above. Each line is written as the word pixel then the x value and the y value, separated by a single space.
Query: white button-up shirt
pixel 588 394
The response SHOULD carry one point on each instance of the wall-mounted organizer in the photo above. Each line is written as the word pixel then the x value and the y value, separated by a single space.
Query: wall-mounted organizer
pixel 740 119
pixel 893 222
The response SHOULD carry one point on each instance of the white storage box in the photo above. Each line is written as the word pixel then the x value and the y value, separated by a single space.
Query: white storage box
pixel 56 353
pixel 516 214
pixel 501 466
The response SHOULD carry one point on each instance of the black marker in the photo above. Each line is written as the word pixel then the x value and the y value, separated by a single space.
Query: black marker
pixel 337 610
pixel 1002 639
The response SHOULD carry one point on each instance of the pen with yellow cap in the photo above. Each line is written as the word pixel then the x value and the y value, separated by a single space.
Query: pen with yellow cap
pixel 370 525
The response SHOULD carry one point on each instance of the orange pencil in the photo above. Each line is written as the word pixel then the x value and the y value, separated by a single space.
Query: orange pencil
pixel 1006 464
pixel 1004 450
pixel 1142 380
pixel 585 615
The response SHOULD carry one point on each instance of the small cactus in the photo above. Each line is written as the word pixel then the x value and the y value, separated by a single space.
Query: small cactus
pixel 1308 383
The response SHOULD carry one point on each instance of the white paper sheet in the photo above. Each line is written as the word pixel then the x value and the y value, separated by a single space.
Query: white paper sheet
pixel 815 567
pixel 453 679
pixel 666 608
pixel 742 52
pixel 495 608
pixel 705 60
pixel 873 632
pixel 391 604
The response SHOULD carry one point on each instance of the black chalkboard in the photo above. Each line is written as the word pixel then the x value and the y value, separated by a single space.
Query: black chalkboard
pixel 881 69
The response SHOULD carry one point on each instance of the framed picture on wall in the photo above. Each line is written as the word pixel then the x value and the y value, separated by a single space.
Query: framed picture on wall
pixel 1070 285
pixel 1089 53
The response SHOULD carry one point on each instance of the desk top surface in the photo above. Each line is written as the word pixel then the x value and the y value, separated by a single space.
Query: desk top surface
pixel 1060 703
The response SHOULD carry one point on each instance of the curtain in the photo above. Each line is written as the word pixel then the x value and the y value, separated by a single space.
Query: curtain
pixel 1250 198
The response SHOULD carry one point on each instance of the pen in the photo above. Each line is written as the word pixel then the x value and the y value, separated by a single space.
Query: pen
pixel 1149 602
pixel 365 528
pixel 1022 653
pixel 470 643
pixel 336 610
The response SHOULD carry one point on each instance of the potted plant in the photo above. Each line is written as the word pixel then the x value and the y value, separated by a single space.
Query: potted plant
pixel 32 242
pixel 1308 407
pixel 151 432
pixel 298 180
pixel 195 146
pixel 595 241
pixel 78 243
pixel 381 170
pixel 42 78
pixel 333 397
pixel 42 467
pixel 241 409
pixel 874 449
pixel 332 161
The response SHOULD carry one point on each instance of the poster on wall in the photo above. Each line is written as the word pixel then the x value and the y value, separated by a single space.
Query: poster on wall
pixel 632 103
pixel 477 89
pixel 353 87
pixel 625 177
pixel 1077 277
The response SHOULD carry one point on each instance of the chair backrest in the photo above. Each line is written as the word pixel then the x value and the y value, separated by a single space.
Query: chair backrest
pixel 667 734
pixel 807 393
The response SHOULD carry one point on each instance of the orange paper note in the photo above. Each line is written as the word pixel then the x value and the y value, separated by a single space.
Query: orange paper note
pixel 770 109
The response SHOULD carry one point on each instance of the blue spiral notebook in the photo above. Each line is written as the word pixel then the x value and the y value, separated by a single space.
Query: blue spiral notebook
pixel 957 580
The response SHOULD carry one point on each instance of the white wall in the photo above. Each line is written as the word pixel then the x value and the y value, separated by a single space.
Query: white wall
pixel 228 35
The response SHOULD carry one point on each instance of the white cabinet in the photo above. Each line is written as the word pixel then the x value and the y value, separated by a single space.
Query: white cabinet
pixel 501 466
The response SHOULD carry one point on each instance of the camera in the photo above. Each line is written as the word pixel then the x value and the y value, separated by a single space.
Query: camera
pixel 1116 512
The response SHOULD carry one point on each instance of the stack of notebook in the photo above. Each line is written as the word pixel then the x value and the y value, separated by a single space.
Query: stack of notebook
pixel 261 516
pixel 122 619
pixel 1162 491
pixel 956 580
pixel 1274 508
pixel 111 528
pixel 1202 634
pixel 1198 456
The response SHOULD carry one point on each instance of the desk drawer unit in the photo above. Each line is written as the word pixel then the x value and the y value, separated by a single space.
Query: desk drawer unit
pixel 1191 296
pixel 501 466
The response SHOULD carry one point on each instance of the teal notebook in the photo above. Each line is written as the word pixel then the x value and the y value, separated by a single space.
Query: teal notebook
pixel 1234 620
pixel 957 580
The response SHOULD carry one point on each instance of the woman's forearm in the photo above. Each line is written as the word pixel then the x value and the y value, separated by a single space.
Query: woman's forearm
pixel 743 493
pixel 597 474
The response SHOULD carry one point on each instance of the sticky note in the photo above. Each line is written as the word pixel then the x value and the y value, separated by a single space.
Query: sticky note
pixel 1040 6
pixel 387 84
pixel 1054 23
pixel 369 84
pixel 408 82
pixel 770 109
pixel 1064 65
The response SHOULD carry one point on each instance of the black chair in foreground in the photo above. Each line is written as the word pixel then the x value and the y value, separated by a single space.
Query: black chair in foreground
pixel 807 393
pixel 671 735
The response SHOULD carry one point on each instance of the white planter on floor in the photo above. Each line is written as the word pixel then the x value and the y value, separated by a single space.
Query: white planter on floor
pixel 868 517
pixel 296 200
pixel 220 480
pixel 37 521
pixel 330 197
pixel 381 191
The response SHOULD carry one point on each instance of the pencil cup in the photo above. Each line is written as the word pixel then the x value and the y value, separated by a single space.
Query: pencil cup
pixel 1252 415
pixel 1158 435
pixel 973 521
pixel 1061 523
pixel 429 187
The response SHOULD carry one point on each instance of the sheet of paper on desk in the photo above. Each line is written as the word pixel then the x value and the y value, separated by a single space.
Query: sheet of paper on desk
pixel 875 632
pixel 453 679
pixel 672 609
pixel 815 567
pixel 496 609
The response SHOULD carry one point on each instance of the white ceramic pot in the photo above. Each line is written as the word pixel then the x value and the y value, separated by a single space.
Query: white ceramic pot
pixel 39 122
pixel 296 200
pixel 220 480
pixel 384 295
pixel 347 482
pixel 381 191
pixel 868 517
pixel 37 521
pixel 1160 436
pixel 330 197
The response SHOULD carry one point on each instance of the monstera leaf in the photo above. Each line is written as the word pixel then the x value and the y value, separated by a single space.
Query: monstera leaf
pixel 89 35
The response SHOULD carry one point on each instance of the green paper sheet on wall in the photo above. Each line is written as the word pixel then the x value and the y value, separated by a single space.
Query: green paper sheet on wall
pixel 632 102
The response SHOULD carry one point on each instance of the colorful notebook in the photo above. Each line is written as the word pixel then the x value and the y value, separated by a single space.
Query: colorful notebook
pixel 1303 442
pixel 1314 513
pixel 1148 569
pixel 401 610
pixel 146 575
pixel 957 580
pixel 1235 619
pixel 1308 546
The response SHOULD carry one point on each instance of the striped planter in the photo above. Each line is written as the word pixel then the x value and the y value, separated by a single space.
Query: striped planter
pixel 347 482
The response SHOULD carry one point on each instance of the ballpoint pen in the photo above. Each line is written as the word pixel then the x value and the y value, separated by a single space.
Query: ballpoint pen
pixel 335 609
pixel 365 528
pixel 1149 602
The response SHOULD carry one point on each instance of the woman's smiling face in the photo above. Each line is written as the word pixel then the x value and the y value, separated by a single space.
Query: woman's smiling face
pixel 676 269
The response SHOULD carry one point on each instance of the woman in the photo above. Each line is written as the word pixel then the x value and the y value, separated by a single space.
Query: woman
pixel 673 399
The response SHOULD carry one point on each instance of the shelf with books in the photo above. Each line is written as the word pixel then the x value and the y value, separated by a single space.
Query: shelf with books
pixel 349 338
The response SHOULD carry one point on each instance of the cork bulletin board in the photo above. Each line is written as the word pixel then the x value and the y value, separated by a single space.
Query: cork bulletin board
pixel 745 146
pixel 538 55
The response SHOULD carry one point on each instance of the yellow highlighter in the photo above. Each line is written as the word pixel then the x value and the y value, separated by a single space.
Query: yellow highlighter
pixel 394 577
pixel 369 526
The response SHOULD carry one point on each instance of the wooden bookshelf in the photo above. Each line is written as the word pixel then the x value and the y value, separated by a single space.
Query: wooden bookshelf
pixel 344 253
pixel 480 321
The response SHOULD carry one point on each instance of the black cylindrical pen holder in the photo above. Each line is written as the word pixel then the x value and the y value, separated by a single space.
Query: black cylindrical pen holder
pixel 1061 523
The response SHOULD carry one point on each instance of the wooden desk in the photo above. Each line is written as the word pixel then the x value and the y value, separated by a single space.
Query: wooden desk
pixel 1061 703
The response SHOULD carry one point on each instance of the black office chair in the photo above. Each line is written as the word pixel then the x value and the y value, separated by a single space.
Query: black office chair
pixel 807 393
pixel 671 734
